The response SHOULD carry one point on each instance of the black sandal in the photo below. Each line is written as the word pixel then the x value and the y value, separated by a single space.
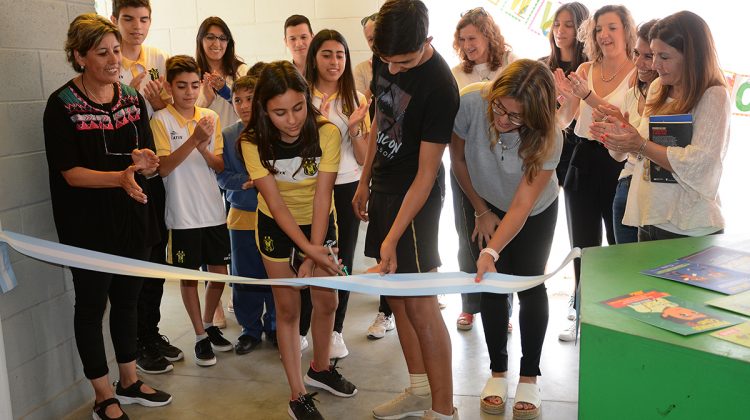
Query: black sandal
pixel 101 408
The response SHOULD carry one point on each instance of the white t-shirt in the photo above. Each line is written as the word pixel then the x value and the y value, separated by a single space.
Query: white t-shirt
pixel 480 72
pixel 349 169
pixel 691 206
pixel 193 197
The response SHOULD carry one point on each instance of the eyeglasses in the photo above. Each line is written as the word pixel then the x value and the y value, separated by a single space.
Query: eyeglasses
pixel 107 148
pixel 477 11
pixel 499 110
pixel 368 18
pixel 211 38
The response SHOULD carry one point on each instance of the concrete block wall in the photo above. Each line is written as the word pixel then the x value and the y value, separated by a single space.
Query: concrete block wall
pixel 44 371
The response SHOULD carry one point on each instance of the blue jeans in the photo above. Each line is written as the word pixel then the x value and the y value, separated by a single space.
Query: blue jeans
pixel 623 234
pixel 250 300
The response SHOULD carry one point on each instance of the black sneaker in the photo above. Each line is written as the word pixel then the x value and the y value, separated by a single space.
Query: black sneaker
pixel 150 360
pixel 204 355
pixel 101 408
pixel 331 380
pixel 217 340
pixel 134 395
pixel 167 350
pixel 303 408
pixel 245 344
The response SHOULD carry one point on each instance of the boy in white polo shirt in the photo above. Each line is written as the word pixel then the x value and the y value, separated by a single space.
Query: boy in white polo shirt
pixel 190 146
pixel 143 68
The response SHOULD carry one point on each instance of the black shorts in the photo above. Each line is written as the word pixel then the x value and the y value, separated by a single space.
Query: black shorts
pixel 417 249
pixel 192 248
pixel 275 245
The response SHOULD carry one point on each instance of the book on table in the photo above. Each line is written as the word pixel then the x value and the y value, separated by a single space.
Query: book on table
pixel 670 131
pixel 716 268
pixel 671 313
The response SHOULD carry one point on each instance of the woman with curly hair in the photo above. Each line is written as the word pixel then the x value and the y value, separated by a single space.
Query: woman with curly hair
pixel 483 52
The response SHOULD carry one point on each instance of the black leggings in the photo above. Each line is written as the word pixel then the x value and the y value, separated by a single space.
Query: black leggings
pixel 590 186
pixel 92 288
pixel 348 231
pixel 525 255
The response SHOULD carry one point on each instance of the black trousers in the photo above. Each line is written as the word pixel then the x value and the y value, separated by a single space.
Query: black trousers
pixel 652 233
pixel 92 291
pixel 149 300
pixel 525 255
pixel 348 231
pixel 590 186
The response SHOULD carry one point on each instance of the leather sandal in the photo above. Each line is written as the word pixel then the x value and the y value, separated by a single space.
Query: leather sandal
pixel 529 394
pixel 495 387
pixel 465 321
pixel 100 410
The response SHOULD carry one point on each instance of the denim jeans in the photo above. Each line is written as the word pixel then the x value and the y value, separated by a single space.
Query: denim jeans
pixel 623 234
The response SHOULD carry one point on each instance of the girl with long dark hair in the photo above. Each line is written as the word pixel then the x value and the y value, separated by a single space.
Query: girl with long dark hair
pixel 292 154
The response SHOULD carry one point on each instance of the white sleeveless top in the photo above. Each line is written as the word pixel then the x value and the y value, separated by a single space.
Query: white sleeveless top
pixel 615 98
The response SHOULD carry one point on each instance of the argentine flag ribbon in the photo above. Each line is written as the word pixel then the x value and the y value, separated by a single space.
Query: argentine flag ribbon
pixel 416 284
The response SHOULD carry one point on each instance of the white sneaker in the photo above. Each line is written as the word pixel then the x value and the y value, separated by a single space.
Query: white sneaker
pixel 338 347
pixel 381 324
pixel 568 334
pixel 303 344
pixel 572 308
pixel 442 303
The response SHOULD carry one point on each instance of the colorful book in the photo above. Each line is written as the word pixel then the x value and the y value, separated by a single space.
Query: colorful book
pixel 709 277
pixel 671 313
pixel 739 303
pixel 718 256
pixel 670 131
pixel 738 334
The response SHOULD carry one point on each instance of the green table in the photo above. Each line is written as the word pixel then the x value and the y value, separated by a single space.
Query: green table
pixel 632 370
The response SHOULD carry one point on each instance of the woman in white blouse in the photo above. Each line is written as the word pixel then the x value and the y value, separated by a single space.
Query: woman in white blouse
pixel 690 82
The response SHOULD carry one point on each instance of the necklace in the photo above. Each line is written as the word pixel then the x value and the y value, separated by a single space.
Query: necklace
pixel 601 73
pixel 91 95
pixel 504 146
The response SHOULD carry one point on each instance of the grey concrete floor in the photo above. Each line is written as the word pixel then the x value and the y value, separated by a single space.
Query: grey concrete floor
pixel 253 386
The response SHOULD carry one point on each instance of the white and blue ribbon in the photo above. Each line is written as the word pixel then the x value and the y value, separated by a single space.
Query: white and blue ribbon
pixel 417 284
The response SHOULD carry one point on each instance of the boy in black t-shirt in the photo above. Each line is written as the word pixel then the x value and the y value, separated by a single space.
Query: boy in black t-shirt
pixel 402 187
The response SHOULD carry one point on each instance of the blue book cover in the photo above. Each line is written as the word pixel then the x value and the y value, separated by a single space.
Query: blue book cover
pixel 709 277
pixel 670 131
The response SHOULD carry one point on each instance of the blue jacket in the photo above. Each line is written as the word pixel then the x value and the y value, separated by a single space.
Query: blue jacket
pixel 235 174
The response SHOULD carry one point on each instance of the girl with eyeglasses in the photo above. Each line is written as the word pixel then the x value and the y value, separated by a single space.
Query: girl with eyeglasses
pixel 292 154
pixel 484 53
pixel 505 147
pixel 220 67
pixel 329 72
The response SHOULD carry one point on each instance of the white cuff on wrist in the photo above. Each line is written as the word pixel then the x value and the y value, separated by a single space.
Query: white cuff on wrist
pixel 491 252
